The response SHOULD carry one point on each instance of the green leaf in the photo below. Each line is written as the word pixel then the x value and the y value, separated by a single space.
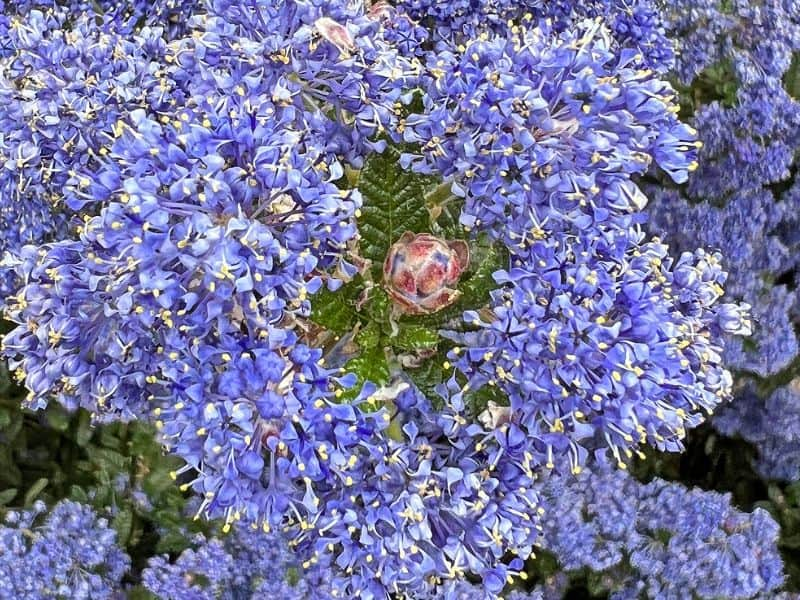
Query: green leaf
pixel 110 461
pixel 394 202
pixel 85 430
pixel 792 542
pixel 139 593
pixel 792 78
pixel 171 541
pixel 7 496
pixel 123 524
pixel 369 337
pixel 336 310
pixel 33 492
pixel 370 365
pixel 78 494
pixel 379 306
pixel 58 418
pixel 428 376
pixel 5 418
pixel 478 400
pixel 413 338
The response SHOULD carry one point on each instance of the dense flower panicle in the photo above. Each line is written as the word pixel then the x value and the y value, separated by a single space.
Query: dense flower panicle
pixel 747 146
pixel 676 541
pixel 123 16
pixel 72 554
pixel 266 439
pixel 772 424
pixel 61 91
pixel 754 232
pixel 604 342
pixel 636 24
pixel 737 201
pixel 244 564
pixel 328 63
pixel 434 501
pixel 757 36
pixel 542 126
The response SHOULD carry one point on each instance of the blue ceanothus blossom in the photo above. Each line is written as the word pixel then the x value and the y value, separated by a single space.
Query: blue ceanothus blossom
pixel 69 553
pixel 634 23
pixel 603 343
pixel 244 564
pixel 757 36
pixel 771 424
pixel 660 540
pixel 67 74
pixel 203 175
pixel 61 93
pixel 538 126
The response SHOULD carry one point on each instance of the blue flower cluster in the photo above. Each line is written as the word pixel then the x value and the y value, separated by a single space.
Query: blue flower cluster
pixel 771 424
pixel 604 339
pixel 432 502
pixel 754 231
pixel 743 199
pixel 757 37
pixel 202 153
pixel 72 553
pixel 674 542
pixel 539 126
pixel 634 23
pixel 61 94
pixel 245 564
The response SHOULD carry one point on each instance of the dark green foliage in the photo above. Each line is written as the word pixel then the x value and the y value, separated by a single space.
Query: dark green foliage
pixel 118 469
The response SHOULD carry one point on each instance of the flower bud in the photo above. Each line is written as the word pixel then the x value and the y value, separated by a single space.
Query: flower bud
pixel 421 270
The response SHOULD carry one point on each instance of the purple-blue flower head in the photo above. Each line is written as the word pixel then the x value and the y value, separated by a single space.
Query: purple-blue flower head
pixel 543 126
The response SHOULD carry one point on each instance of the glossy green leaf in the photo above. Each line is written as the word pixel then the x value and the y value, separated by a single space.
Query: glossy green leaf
pixel 7 496
pixel 415 337
pixel 35 490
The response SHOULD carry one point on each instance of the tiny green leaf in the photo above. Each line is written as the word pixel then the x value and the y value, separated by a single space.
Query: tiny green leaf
pixel 372 366
pixel 123 524
pixel 369 337
pixel 33 492
pixel 7 496
pixel 336 310
pixel 792 78
pixel 415 337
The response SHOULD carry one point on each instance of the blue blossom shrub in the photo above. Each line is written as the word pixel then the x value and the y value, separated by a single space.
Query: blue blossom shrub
pixel 72 554
pixel 743 201
pixel 675 541
pixel 414 297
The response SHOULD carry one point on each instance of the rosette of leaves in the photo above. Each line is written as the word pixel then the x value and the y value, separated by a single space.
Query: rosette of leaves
pixel 357 323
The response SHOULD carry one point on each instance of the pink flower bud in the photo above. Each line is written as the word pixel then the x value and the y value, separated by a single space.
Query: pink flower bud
pixel 421 270
pixel 380 11
pixel 336 33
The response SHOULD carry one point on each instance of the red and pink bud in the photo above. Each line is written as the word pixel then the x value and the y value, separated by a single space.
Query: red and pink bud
pixel 336 33
pixel 421 271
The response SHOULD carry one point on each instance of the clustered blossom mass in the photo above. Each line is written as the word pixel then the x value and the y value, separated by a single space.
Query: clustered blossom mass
pixel 178 181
